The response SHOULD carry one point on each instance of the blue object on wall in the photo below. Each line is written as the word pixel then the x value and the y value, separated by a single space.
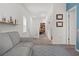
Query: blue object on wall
pixel 77 16
pixel 69 6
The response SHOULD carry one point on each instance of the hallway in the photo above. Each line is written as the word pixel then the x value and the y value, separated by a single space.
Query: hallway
pixel 42 40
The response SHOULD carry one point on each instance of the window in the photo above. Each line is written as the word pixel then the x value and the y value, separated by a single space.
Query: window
pixel 24 24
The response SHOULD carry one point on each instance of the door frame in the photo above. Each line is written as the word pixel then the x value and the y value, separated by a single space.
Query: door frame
pixel 73 8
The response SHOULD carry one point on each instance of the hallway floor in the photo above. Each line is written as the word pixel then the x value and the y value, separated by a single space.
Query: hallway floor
pixel 44 47
pixel 53 50
pixel 42 40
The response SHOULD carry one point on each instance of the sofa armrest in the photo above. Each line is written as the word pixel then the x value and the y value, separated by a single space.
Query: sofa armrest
pixel 26 39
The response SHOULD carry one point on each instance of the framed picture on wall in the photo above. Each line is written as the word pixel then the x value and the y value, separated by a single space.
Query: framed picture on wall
pixel 59 24
pixel 59 16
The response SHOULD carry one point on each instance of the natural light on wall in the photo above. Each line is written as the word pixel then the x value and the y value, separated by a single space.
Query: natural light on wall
pixel 24 24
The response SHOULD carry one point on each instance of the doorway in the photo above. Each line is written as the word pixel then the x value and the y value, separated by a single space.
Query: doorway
pixel 72 26
pixel 43 32
pixel 42 28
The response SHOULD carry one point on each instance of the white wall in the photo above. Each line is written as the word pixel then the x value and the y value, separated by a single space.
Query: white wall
pixel 32 24
pixel 35 25
pixel 7 10
pixel 59 33
pixel 48 28
pixel 25 12
pixel 17 11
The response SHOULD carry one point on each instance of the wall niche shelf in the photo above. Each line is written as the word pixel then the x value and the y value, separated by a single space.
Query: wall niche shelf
pixel 9 23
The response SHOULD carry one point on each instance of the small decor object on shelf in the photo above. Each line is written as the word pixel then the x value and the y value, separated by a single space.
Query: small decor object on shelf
pixel 15 21
pixel 3 19
pixel 10 18
pixel 11 21
pixel 59 24
pixel 59 16
pixel 8 21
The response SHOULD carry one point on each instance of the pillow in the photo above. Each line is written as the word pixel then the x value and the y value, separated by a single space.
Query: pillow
pixel 14 37
pixel 5 43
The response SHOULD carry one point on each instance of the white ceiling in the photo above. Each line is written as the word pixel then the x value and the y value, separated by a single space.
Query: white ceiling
pixel 39 8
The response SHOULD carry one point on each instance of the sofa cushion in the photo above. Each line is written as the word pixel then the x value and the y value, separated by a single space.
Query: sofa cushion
pixel 5 43
pixel 19 51
pixel 28 39
pixel 25 44
pixel 14 37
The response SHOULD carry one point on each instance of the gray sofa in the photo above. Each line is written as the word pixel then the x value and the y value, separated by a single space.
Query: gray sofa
pixel 12 45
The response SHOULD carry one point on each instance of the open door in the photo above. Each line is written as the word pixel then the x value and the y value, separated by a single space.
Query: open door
pixel 72 27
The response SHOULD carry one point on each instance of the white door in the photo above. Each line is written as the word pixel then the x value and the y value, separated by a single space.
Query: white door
pixel 35 27
pixel 72 27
